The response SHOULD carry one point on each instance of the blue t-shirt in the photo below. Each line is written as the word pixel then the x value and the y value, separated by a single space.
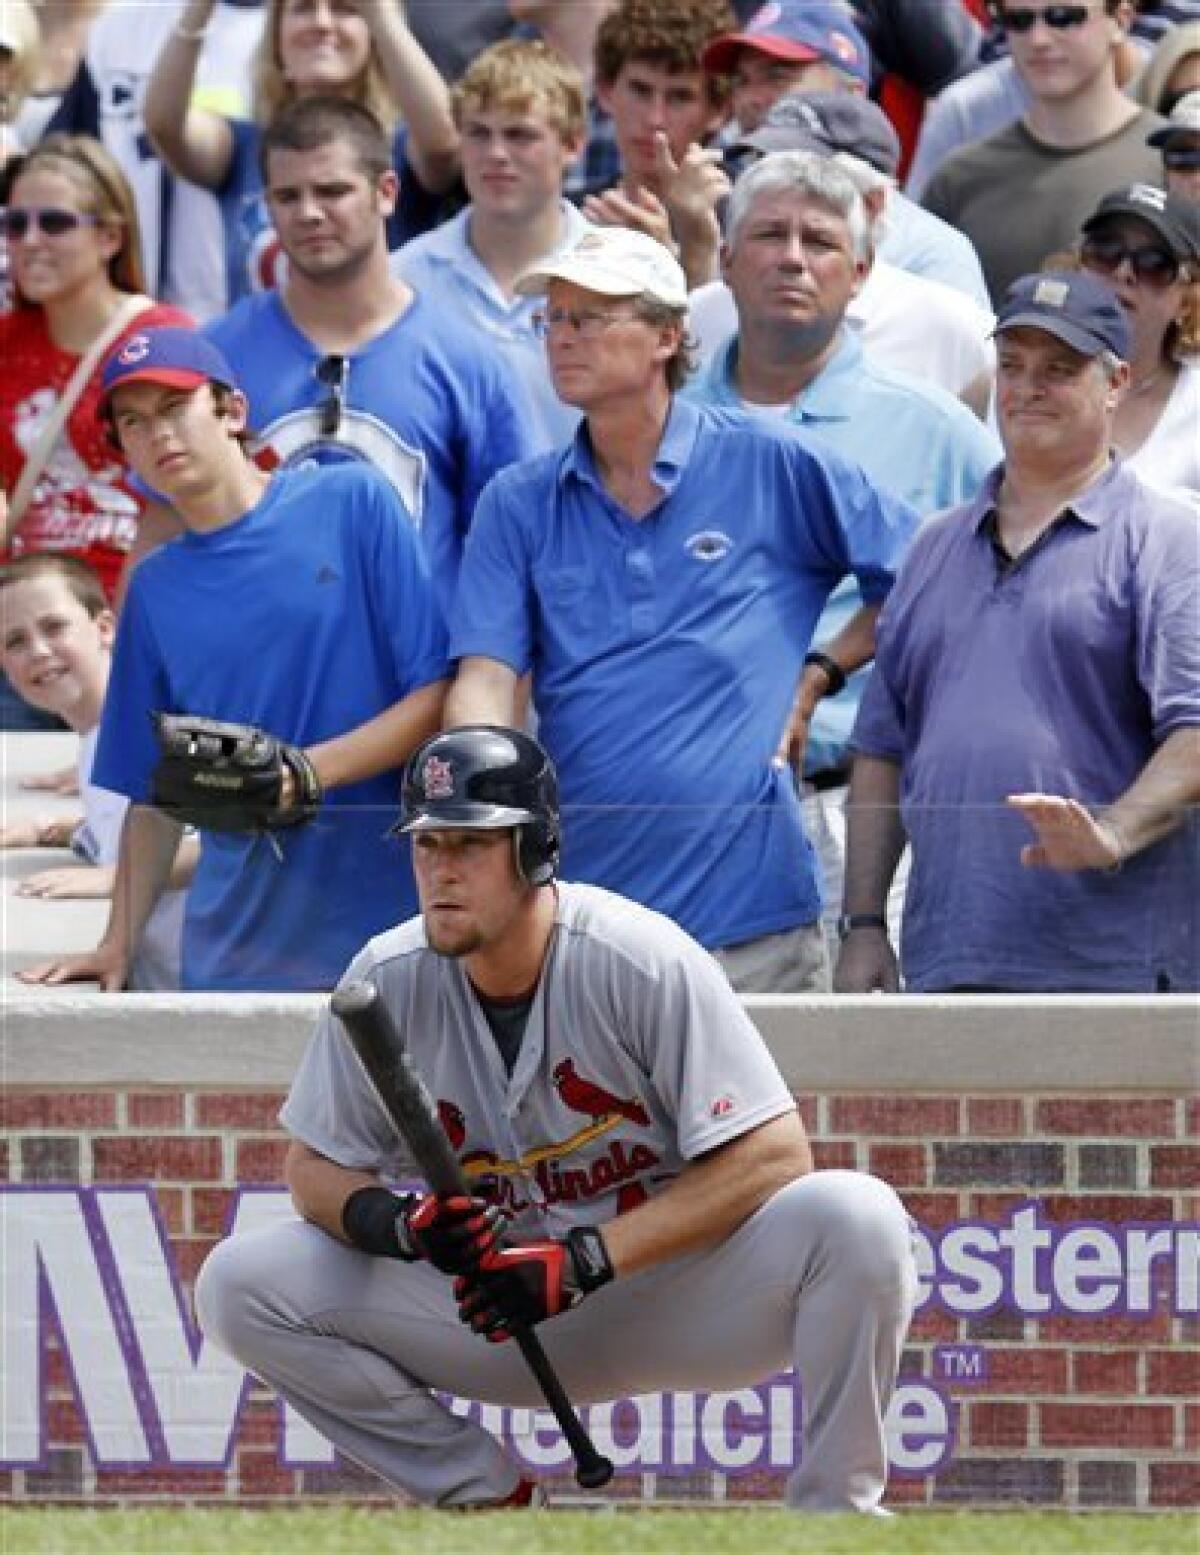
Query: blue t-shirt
pixel 666 651
pixel 423 404
pixel 1061 674
pixel 307 617
pixel 911 438
pixel 254 261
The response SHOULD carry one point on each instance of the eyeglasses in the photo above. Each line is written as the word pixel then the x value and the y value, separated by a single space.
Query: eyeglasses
pixel 50 220
pixel 332 373
pixel 1059 17
pixel 1155 266
pixel 1181 159
pixel 588 326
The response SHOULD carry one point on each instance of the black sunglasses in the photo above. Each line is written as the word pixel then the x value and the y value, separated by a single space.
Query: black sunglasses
pixel 332 373
pixel 1060 17
pixel 49 219
pixel 1156 266
pixel 1181 159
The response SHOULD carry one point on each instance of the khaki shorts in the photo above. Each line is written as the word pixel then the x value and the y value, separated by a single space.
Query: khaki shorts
pixel 796 961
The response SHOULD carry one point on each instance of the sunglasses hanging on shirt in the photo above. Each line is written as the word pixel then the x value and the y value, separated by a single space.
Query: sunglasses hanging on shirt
pixel 333 374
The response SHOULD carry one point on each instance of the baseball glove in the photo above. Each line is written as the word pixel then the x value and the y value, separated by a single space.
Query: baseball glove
pixel 229 777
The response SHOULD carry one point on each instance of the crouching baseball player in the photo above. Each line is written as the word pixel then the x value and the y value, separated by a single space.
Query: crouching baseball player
pixel 619 1117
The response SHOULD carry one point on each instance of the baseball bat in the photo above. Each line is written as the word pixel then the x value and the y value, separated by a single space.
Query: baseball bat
pixel 390 1068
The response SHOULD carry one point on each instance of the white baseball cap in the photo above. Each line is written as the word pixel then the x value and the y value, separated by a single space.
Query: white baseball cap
pixel 616 262
pixel 1184 120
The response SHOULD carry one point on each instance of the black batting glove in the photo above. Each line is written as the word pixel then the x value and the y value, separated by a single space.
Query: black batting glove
pixel 454 1234
pixel 517 1287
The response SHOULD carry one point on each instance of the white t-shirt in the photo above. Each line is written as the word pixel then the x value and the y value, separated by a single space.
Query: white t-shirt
pixel 1169 459
pixel 157 962
pixel 904 321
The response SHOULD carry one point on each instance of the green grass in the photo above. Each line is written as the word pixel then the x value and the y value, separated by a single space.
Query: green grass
pixel 344 1531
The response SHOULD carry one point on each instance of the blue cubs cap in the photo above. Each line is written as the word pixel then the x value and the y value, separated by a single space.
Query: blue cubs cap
pixel 176 357
pixel 799 30
pixel 1078 308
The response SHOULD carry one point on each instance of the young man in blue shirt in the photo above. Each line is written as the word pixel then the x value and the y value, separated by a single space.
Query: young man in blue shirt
pixel 298 603
pixel 661 578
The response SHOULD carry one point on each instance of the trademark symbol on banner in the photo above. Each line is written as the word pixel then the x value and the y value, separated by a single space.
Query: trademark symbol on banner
pixel 961 1363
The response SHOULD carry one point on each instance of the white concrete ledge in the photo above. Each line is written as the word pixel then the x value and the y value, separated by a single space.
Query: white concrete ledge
pixel 874 1044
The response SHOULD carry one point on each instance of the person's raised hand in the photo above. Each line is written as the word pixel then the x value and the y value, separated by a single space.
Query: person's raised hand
pixel 1068 836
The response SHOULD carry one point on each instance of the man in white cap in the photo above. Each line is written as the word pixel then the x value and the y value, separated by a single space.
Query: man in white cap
pixel 661 578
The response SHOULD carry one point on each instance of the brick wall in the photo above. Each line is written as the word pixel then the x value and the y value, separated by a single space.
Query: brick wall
pixel 1088 1411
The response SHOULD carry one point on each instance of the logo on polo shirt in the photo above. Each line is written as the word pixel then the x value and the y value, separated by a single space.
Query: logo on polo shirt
pixel 710 545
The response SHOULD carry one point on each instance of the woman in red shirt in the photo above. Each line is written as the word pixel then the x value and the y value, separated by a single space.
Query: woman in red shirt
pixel 74 250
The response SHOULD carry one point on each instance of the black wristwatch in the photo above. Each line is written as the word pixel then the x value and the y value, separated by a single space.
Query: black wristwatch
pixel 848 922
pixel 834 672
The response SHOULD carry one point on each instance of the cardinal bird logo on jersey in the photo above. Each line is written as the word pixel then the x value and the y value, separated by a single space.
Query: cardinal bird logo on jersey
pixel 454 1125
pixel 593 1100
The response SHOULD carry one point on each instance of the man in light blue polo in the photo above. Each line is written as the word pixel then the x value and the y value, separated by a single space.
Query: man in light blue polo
pixel 520 110
pixel 1032 723
pixel 661 578
pixel 796 253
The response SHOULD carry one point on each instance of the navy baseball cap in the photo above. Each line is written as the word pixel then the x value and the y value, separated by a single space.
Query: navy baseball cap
pixel 799 30
pixel 1076 307
pixel 173 356
pixel 828 123
pixel 1175 220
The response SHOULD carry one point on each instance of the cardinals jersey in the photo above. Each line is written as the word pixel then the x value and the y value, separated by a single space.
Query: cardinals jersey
pixel 637 1058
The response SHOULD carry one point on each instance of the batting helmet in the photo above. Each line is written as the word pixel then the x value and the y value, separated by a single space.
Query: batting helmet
pixel 488 777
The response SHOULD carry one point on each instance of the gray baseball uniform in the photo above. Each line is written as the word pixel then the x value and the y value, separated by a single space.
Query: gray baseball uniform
pixel 637 1058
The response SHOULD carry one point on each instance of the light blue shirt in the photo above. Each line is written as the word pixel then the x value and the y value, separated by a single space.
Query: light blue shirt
pixel 444 267
pixel 665 652
pixel 912 439
pixel 923 244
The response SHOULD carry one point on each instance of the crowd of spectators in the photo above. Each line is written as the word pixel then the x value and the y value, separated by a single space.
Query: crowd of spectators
pixel 792 410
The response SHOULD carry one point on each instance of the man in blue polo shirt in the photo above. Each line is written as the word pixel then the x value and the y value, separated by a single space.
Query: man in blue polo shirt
pixel 797 252
pixel 1033 719
pixel 661 578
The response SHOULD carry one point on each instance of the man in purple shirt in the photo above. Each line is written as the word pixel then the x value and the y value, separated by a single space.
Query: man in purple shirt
pixel 1033 719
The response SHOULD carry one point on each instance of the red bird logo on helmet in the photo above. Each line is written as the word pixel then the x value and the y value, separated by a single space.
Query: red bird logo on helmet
pixel 593 1100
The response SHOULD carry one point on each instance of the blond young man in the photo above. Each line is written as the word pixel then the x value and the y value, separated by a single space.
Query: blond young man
pixel 520 111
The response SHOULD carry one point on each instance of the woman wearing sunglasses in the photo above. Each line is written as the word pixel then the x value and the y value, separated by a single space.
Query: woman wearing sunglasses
pixel 360 49
pixel 70 230
pixel 1146 243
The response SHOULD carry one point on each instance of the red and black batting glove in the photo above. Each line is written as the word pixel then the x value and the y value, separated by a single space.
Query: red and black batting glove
pixel 516 1287
pixel 454 1233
